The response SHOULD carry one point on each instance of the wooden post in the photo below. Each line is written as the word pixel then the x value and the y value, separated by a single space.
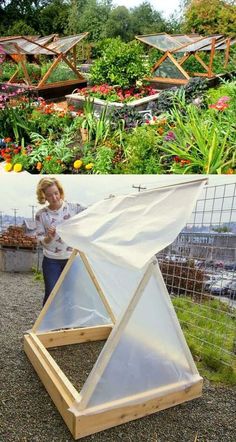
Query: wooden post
pixel 227 52
pixel 213 45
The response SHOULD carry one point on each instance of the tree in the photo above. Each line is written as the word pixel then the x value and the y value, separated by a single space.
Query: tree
pixel 53 18
pixel 119 24
pixel 210 17
pixel 147 20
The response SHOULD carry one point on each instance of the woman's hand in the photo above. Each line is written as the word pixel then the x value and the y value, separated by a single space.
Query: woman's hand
pixel 51 232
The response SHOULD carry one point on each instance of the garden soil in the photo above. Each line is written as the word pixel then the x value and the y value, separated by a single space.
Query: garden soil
pixel 27 413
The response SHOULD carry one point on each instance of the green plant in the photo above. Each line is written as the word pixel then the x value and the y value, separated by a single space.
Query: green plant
pixel 141 151
pixel 104 160
pixel 121 64
pixel 201 143
pixel 209 331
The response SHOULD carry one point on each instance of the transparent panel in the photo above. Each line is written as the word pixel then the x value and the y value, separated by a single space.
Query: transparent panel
pixel 160 41
pixel 76 304
pixel 151 343
pixel 118 283
pixel 167 69
pixel 204 44
pixel 62 72
pixel 64 44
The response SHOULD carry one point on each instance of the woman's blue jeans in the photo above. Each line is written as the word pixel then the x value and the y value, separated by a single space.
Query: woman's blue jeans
pixel 52 269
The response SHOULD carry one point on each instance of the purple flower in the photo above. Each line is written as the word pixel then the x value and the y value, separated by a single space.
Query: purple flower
pixel 170 136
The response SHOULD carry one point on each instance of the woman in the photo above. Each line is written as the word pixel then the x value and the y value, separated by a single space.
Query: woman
pixel 56 252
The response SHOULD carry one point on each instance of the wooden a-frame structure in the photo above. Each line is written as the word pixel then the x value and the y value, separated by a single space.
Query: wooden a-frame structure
pixel 84 412
pixel 178 49
pixel 21 48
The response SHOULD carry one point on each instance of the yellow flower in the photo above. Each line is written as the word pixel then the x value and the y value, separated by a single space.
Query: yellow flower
pixel 17 167
pixel 8 167
pixel 89 166
pixel 77 164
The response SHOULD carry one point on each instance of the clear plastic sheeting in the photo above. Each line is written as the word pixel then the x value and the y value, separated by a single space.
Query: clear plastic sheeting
pixel 150 354
pixel 117 282
pixel 168 70
pixel 129 230
pixel 76 304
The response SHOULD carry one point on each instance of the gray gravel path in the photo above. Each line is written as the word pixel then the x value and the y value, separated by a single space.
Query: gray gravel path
pixel 27 413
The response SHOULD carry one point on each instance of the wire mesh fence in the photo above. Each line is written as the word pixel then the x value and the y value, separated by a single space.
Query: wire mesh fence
pixel 199 269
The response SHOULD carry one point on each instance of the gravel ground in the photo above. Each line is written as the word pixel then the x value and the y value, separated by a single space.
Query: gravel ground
pixel 27 413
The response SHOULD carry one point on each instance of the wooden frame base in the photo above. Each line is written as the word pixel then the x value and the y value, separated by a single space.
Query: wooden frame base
pixel 64 395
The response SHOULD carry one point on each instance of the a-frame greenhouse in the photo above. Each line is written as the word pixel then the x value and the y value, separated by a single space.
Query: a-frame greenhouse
pixel 113 290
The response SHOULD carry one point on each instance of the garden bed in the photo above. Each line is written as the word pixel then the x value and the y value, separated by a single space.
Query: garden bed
pixel 77 100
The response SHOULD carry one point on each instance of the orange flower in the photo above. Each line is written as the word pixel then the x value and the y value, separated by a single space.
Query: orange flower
pixel 39 165
pixel 7 140
pixel 48 158
pixel 230 171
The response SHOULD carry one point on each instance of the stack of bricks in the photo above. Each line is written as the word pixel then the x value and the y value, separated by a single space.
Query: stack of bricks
pixel 16 237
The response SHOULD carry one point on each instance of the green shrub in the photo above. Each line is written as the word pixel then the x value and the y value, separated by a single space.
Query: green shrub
pixel 121 64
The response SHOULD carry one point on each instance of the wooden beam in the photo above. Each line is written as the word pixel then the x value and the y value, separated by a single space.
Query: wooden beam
pixel 213 46
pixel 59 84
pixel 178 66
pixel 184 58
pixel 227 52
pixel 48 73
pixel 168 80
pixel 13 77
pixel 79 75
pixel 157 64
pixel 57 385
pixel 58 338
pixel 198 58
pixel 98 287
pixel 23 64
pixel 103 419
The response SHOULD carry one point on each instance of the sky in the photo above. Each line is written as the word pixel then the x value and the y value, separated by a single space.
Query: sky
pixel 164 6
pixel 17 191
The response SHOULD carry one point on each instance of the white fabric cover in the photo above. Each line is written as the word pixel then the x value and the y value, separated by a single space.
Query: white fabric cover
pixel 128 230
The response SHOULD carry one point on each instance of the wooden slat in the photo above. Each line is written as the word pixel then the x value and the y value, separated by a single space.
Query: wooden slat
pixel 92 423
pixel 227 52
pixel 73 68
pixel 60 84
pixel 167 80
pixel 212 55
pixel 50 380
pixel 178 66
pixel 198 58
pixel 48 73
pixel 74 336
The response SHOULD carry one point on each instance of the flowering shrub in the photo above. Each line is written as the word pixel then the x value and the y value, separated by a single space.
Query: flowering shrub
pixel 113 93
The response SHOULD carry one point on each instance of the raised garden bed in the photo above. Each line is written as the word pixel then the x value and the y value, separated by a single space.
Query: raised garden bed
pixel 78 101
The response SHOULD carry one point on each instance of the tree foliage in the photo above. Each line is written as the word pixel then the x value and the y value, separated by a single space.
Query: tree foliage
pixel 210 17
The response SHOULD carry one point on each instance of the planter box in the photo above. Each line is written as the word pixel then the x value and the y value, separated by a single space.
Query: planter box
pixel 17 259
pixel 141 104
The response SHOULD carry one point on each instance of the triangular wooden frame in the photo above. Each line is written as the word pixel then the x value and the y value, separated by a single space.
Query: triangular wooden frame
pixel 72 405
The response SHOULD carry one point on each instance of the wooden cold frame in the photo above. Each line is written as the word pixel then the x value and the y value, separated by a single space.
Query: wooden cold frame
pixel 81 419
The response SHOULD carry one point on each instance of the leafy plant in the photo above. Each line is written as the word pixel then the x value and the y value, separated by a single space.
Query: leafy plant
pixel 121 64
pixel 199 144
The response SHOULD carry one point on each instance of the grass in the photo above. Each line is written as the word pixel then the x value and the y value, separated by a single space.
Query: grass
pixel 209 329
